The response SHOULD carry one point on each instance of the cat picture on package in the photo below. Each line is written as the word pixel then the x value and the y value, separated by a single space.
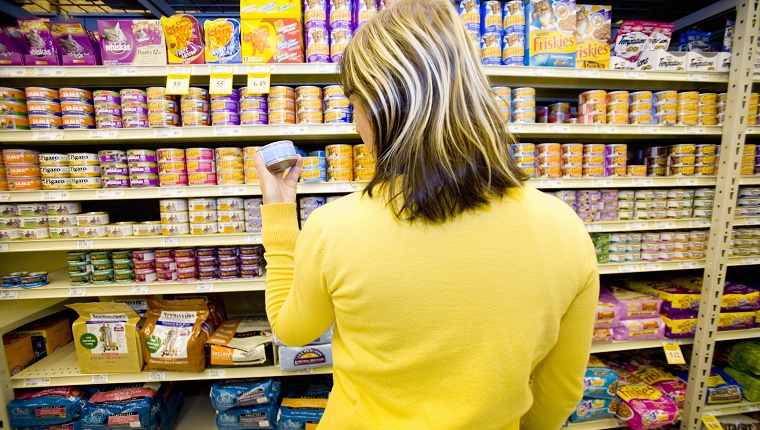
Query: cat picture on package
pixel 314 4
pixel 106 338
pixel 515 9
pixel 543 13
pixel 491 41
pixel 170 347
pixel 470 6
pixel 369 5
pixel 70 45
pixel 495 9
pixel 513 40
pixel 341 5
pixel 583 26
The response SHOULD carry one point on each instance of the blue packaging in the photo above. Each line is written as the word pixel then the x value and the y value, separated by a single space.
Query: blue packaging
pixel 322 154
pixel 314 175
pixel 593 409
pixel 130 406
pixel 73 425
pixel 721 388
pixel 490 47
pixel 694 41
pixel 550 33
pixel 260 417
pixel 291 418
pixel 244 392
pixel 513 47
pixel 491 16
pixel 222 41
pixel 599 381
pixel 469 11
pixel 46 407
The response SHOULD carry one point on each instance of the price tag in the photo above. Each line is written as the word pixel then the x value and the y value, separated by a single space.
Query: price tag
pixel 605 129
pixel 634 75
pixel 216 373
pixel 601 182
pixel 55 195
pixel 305 371
pixel 259 79
pixel 710 422
pixel 47 135
pixel 99 379
pixel 327 68
pixel 752 130
pixel 345 187
pixel 234 190
pixel 552 128
pixel 169 241
pixel 344 129
pixel 649 267
pixel 748 221
pixel 178 81
pixel 204 287
pixel 156 376
pixel 593 227
pixel 695 130
pixel 77 292
pixel 109 194
pixel 49 71
pixel 171 132
pixel 8 295
pixel 688 265
pixel 637 226
pixel 253 238
pixel 628 268
pixel 3 247
pixel 751 260
pixel 699 223
pixel 515 128
pixel 171 192
pixel 36 382
pixel 220 80
pixel 12 72
pixel 540 71
pixel 749 408
pixel 697 76
pixel 642 182
pixel 673 353
pixel 85 244
pixel 223 131
pixel 649 130
pixel 686 181
pixel 122 71
pixel 665 224
pixel 587 73
pixel 104 134
pixel 293 129
pixel 552 183
pixel 140 290
pixel 4 197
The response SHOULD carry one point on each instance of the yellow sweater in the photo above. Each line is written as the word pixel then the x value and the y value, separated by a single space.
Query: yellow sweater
pixel 439 326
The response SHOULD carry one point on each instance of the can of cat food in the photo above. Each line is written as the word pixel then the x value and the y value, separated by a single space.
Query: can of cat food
pixel 14 122
pixel 56 183
pixel 20 156
pixel 172 167
pixel 199 154
pixel 198 106
pixel 84 171
pixel 43 108
pixel 196 93
pixel 109 121
pixel 107 110
pixel 135 121
pixel 201 179
pixel 86 182
pixel 665 96
pixel 133 96
pixel 105 96
pixel 640 118
pixel 78 109
pixel 204 228
pixel 92 231
pixel 42 122
pixel 163 119
pixel 142 181
pixel 195 119
pixel 225 118
pixel 24 184
pixel 525 93
pixel 175 229
pixel 23 170
pixel 40 94
pixel 75 95
pixel 156 93
pixel 279 92
pixel 141 156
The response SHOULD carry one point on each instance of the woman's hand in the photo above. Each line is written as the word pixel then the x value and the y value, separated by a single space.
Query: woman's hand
pixel 277 188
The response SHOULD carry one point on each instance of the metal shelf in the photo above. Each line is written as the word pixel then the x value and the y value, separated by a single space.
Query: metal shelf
pixel 732 408
pixel 633 345
pixel 749 180
pixel 746 221
pixel 62 368
pixel 130 242
pixel 625 182
pixel 749 333
pixel 601 424
pixel 657 266
pixel 14 315
pixel 60 287
pixel 743 261
pixel 664 224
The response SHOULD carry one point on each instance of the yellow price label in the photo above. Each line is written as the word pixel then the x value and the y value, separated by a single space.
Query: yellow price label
pixel 259 79
pixel 220 81
pixel 711 423
pixel 178 81
pixel 673 353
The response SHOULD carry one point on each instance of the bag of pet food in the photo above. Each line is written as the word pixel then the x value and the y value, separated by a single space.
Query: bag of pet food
pixel 73 44
pixel 39 44
pixel 593 409
pixel 106 338
pixel 639 329
pixel 291 418
pixel 745 356
pixel 174 335
pixel 133 406
pixel 10 53
pixel 635 305
pixel 255 417
pixel 72 425
pixel 721 388
pixel 46 407
pixel 241 342
pixel 668 384
pixel 236 393
pixel 749 382
pixel 600 382
pixel 214 302
pixel 644 407
pixel 607 310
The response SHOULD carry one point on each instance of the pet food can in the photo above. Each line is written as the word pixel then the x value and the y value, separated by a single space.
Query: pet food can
pixel 120 229
pixel 56 183
pixel 75 95
pixel 90 183
pixel 105 96
pixel 40 94
pixel 133 96
pixel 49 122
pixel 92 231
pixel 84 171
pixel 92 218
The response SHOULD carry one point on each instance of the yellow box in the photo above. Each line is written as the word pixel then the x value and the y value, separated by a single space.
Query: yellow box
pixel 256 9
pixel 18 351
pixel 47 336
pixel 593 30
pixel 271 40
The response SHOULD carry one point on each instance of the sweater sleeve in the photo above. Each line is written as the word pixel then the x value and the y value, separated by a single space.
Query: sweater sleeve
pixel 558 379
pixel 298 304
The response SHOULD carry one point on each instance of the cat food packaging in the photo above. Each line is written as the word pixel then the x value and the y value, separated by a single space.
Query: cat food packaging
pixel 252 417
pixel 750 383
pixel 235 393
pixel 107 340
pixel 721 388
pixel 11 54
pixel 550 33
pixel 271 40
pixel 48 335
pixel 258 9
pixel 599 382
pixel 39 43
pixel 339 38
pixel 469 11
pixel 593 409
pixel 184 39
pixel 222 41
pixel 593 31
pixel 305 357
pixel 635 37
pixel 491 31
pixel 131 406
pixel 635 305
pixel 132 43
pixel 676 299
pixel 607 310
pixel 74 45
pixel 642 406
pixel 46 407
pixel 513 43
pixel 362 10
pixel 241 342
pixel 317 41
pixel 639 329
pixel 667 383
pixel 174 335
pixel 299 418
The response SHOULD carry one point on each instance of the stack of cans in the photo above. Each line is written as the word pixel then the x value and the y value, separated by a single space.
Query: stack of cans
pixel 253 215
pixel 92 224
pixel 33 220
pixel 744 242
pixel 637 109
pixel 340 26
pixel 316 38
pixel 163 109
pixel 282 105
pixel 314 167
pixel 309 105
pixel 687 110
pixel 252 261
pixel 230 214
pixel 571 159
pixel 750 159
pixel 44 108
pixel 107 109
pixel 143 168
pixel 113 168
pixel 3 175
pixel 522 99
pixel 706 159
pixel 206 261
pixel 249 165
pixel 708 109
pixel 62 219
pixel 172 167
pixel 10 222
pixel 754 99
pixel 513 45
pixel 548 161
pixel 253 108
pixel 665 108
pixel 340 163
pixel 225 109
pixel 503 97
pixel 592 107
pixel 364 163
pixel 77 108
pixel 121 229
pixel 13 111
pixel 134 108
pixel 681 160
pixel 556 113
pixel 524 155
pixel 307 205
pixel 615 159
pixel 166 267
pixel 55 172
pixel 721 99
pixel 596 205
pixel 145 266
pixel 646 204
pixel 229 166
pixel 80 267
pixel 22 169
pixel 84 168
pixel 229 262
pixel 187 263
pixel 337 108
pixel 593 160
pixel 704 199
pixel 123 267
pixel 194 107
pixel 491 31
pixel 174 217
pixel 470 14
pixel 102 268
pixel 618 107
pixel 748 203
pixel 201 169
pixel 656 160
pixel 203 218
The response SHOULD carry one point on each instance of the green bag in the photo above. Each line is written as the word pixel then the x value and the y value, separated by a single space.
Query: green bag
pixel 745 356
pixel 750 383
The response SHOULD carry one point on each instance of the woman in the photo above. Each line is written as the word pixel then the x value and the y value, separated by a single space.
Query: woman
pixel 448 280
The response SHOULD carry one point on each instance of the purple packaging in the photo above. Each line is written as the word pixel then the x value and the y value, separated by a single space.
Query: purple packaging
pixel 315 13
pixel 10 53
pixel 136 157
pixel 143 169
pixel 105 96
pixel 116 182
pixel 143 181
pixel 738 297
pixel 339 13
pixel 132 42
pixel 258 118
pixel 229 273
pixel 15 34
pixel 224 118
pixel 234 96
pixel 639 329
pixel 607 310
pixel 207 274
pixel 74 46
pixel 107 109
pixel 251 272
pixel 362 10
pixel 129 95
pixel 317 44
pixel 224 106
pixel 340 35
pixel 108 122
pixel 135 121
pixel 95 43
pixel 114 170
pixel 112 156
pixel 39 43
pixel 680 326
pixel 135 109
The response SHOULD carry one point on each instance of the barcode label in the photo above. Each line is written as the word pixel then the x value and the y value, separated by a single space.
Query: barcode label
pixel 140 289
pixel 36 382
pixel 628 268
pixel 99 379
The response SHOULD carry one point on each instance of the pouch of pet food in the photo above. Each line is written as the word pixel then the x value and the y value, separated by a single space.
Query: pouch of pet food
pixel 106 338
pixel 639 329
pixel 593 409
pixel 10 53
pixel 599 382
pixel 258 417
pixel 236 393
pixel 241 342
pixel 40 46
pixel 222 41
pixel 643 406
pixel 174 335
pixel 46 407
pixel 636 305
pixel 73 44
pixel 133 406
pixel 184 39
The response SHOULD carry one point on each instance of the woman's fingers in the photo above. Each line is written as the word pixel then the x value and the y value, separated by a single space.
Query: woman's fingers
pixel 295 171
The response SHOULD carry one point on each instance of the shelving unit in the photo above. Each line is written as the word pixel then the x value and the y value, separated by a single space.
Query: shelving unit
pixel 126 242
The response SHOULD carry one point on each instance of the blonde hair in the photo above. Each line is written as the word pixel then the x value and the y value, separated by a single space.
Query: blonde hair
pixel 442 146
